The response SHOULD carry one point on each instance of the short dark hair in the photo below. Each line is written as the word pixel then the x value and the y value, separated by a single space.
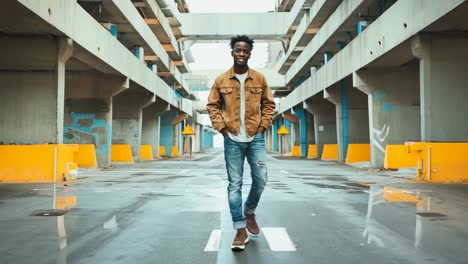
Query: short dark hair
pixel 242 38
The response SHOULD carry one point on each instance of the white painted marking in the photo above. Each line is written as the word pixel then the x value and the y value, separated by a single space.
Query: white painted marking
pixel 214 240
pixel 313 214
pixel 283 171
pixel 184 171
pixel 278 239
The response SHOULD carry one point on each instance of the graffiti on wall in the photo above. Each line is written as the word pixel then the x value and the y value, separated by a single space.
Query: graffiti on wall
pixel 380 135
pixel 87 129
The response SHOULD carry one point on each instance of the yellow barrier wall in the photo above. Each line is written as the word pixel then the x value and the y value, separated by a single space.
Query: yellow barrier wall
pixel 312 152
pixel 358 153
pixel 146 152
pixel 162 151
pixel 121 152
pixel 86 156
pixel 398 156
pixel 175 151
pixel 441 162
pixel 330 152
pixel 35 163
pixel 296 151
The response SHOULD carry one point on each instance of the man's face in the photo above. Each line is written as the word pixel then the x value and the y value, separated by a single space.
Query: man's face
pixel 241 53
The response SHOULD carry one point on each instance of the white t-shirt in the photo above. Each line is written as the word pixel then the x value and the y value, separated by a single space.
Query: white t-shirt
pixel 242 137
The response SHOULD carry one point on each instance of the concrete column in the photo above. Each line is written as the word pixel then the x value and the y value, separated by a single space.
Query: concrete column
pixel 324 121
pixel 351 115
pixel 443 76
pixel 150 134
pixel 198 138
pixel 128 117
pixel 32 78
pixel 393 102
pixel 88 110
pixel 300 130
pixel 310 129
pixel 168 139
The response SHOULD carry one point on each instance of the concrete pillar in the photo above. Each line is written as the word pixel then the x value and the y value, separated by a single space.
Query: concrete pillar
pixel 32 88
pixel 168 139
pixel 352 120
pixel 198 138
pixel 443 60
pixel 324 121
pixel 393 102
pixel 128 117
pixel 150 134
pixel 88 110
pixel 310 129
pixel 300 131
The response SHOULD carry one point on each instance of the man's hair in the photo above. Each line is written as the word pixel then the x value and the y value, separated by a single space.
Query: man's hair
pixel 242 38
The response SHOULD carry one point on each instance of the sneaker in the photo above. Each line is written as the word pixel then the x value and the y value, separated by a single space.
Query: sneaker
pixel 240 240
pixel 252 225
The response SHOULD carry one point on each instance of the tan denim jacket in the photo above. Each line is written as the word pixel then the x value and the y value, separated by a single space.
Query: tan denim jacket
pixel 224 103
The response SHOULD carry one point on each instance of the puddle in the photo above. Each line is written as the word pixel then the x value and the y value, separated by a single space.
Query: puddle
pixel 50 212
pixel 328 186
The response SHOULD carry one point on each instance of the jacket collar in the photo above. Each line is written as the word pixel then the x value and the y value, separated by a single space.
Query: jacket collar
pixel 232 74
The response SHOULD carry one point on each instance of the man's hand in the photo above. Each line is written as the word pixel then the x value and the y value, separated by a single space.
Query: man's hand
pixel 260 130
pixel 224 132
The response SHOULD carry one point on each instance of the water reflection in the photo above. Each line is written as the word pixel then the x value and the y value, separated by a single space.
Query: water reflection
pixel 386 225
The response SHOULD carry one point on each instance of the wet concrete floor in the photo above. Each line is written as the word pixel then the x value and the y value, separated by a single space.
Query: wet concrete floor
pixel 175 211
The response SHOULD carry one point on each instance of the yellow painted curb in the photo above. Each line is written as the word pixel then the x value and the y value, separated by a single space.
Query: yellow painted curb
pixel 330 152
pixel 312 151
pixel 162 151
pixel 146 152
pixel 441 162
pixel 86 156
pixel 296 151
pixel 175 151
pixel 35 163
pixel 398 156
pixel 358 153
pixel 121 153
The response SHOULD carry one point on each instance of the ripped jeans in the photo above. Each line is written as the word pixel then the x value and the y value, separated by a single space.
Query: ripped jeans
pixel 234 155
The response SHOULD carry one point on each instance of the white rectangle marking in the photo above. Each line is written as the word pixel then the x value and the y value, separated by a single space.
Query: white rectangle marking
pixel 283 171
pixel 214 240
pixel 278 239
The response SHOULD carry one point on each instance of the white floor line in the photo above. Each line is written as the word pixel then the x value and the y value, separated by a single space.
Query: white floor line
pixel 283 171
pixel 184 171
pixel 278 239
pixel 214 240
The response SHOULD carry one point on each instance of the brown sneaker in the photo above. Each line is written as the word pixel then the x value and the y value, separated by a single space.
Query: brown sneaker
pixel 240 240
pixel 252 225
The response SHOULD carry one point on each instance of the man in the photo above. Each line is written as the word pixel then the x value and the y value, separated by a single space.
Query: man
pixel 241 107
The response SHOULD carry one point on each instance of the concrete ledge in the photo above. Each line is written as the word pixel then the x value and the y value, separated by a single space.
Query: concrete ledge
pixel 358 153
pixel 441 162
pixel 35 163
pixel 146 152
pixel 86 156
pixel 296 151
pixel 398 156
pixel 330 152
pixel 312 151
pixel 121 152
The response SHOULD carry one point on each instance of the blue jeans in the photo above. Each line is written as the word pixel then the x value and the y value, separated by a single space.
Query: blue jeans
pixel 234 155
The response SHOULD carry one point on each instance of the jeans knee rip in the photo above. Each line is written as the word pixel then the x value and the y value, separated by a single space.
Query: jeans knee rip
pixel 261 163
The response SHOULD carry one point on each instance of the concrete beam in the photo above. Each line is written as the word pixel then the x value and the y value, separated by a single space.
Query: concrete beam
pixel 365 48
pixel 224 26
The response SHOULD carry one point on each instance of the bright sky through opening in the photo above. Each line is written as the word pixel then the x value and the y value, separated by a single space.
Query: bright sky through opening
pixel 209 56
pixel 231 6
